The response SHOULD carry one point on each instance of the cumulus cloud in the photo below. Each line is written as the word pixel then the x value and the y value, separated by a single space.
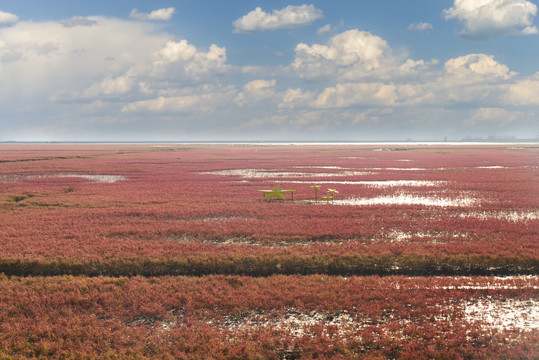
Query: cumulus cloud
pixel 110 87
pixel 472 80
pixel 289 17
pixel 422 26
pixel 417 69
pixel 350 55
pixel 524 92
pixel 294 98
pixel 472 66
pixel 368 74
pixel 256 91
pixel 163 104
pixel 64 73
pixel 164 14
pixel 354 94
pixel 8 18
pixel 356 55
pixel 181 61
pixel 365 73
pixel 492 18
pixel 203 101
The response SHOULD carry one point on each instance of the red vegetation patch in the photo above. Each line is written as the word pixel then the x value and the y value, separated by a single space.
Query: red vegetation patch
pixel 226 317
pixel 169 214
pixel 190 210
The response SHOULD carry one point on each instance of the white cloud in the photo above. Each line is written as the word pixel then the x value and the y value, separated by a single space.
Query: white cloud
pixel 176 51
pixel 164 14
pixel 354 94
pixel 473 67
pixel 422 26
pixel 350 55
pixel 473 80
pixel 356 56
pixel 324 29
pixel 8 18
pixel 524 92
pixel 256 91
pixel 181 61
pixel 491 18
pixel 42 59
pixel 63 78
pixel 202 100
pixel 111 86
pixel 416 69
pixel 46 63
pixel 163 104
pixel 366 73
pixel 424 93
pixel 294 98
pixel 259 85
pixel 289 17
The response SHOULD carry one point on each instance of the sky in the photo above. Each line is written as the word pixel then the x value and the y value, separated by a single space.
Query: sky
pixel 238 70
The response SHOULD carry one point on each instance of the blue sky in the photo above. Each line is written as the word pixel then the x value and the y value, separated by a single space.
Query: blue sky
pixel 268 70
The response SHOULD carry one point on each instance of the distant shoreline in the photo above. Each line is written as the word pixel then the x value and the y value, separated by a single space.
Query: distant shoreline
pixel 284 142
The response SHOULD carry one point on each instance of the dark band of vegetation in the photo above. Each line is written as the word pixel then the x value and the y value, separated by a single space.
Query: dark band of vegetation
pixel 410 265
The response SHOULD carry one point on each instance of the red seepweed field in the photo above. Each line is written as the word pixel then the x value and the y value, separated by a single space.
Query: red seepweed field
pixel 170 251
